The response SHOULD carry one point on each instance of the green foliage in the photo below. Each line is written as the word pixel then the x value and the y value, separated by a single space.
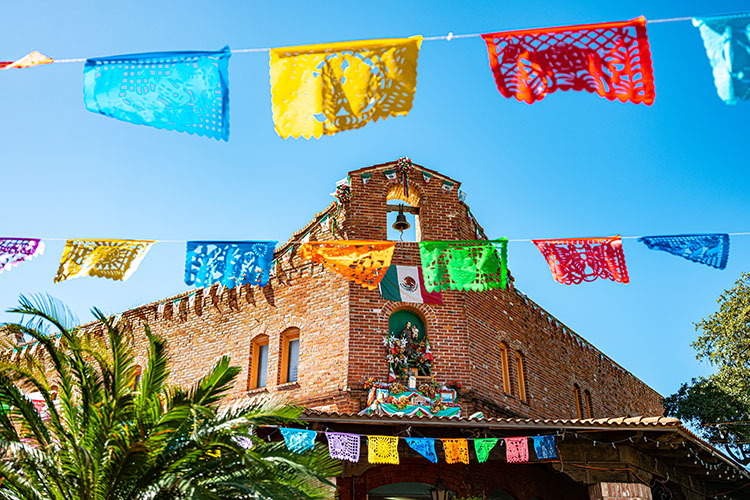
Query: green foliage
pixel 725 337
pixel 723 341
pixel 110 437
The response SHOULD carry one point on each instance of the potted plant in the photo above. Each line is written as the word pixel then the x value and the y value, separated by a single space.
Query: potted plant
pixel 455 385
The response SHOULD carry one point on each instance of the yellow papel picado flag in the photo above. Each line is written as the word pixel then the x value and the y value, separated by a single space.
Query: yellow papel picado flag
pixel 113 259
pixel 327 88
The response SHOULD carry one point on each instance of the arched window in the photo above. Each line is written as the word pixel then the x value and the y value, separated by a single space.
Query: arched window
pixel 578 401
pixel 414 355
pixel 505 367
pixel 137 376
pixel 521 376
pixel 589 410
pixel 289 355
pixel 258 371
pixel 397 199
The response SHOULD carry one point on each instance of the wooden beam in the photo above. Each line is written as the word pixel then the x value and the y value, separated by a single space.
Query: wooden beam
pixel 407 209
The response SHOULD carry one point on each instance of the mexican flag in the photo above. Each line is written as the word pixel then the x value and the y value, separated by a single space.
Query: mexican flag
pixel 406 284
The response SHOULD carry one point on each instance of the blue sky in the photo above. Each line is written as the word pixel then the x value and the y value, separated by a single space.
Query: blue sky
pixel 571 165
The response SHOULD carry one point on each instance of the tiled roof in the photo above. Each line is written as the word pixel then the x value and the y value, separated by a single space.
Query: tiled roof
pixel 655 423
pixel 510 423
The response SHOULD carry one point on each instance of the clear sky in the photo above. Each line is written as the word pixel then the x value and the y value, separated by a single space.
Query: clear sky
pixel 572 165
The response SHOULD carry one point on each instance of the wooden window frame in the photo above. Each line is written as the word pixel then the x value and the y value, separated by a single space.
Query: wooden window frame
pixel 289 335
pixel 589 409
pixel 505 368
pixel 579 401
pixel 520 368
pixel 252 380
pixel 137 374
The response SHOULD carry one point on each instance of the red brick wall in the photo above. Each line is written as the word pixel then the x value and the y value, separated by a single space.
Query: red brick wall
pixel 342 325
pixel 466 330
pixel 309 298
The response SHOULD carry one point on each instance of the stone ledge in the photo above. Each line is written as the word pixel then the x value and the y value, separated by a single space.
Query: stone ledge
pixel 287 387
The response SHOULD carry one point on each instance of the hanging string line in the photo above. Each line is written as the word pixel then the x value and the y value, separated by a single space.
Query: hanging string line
pixel 514 240
pixel 450 36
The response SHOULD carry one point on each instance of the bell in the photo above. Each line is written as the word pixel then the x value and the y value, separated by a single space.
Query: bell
pixel 401 223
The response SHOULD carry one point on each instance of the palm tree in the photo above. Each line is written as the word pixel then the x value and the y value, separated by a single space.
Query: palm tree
pixel 107 435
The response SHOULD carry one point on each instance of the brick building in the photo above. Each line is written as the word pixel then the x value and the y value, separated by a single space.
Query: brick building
pixel 315 337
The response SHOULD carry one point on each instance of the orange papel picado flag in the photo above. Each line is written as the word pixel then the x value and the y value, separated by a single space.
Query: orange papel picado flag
pixel 113 259
pixel 364 262
pixel 31 59
pixel 456 450
pixel 327 88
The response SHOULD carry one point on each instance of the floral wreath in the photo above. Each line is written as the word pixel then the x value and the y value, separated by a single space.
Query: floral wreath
pixel 403 165
pixel 343 193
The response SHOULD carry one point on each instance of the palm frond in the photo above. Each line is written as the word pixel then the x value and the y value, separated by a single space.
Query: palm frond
pixel 215 384
pixel 39 311
pixel 109 438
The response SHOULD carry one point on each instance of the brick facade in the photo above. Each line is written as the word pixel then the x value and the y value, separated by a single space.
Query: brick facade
pixel 342 324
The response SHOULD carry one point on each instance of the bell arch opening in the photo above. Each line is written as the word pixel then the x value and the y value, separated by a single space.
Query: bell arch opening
pixel 403 207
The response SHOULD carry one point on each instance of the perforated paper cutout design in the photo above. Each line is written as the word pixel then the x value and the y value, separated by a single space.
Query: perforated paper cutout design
pixel 709 249
pixel 516 449
pixel 727 42
pixel 483 447
pixel 182 91
pixel 464 265
pixel 328 88
pixel 423 446
pixel 364 262
pixel 343 446
pixel 456 450
pixel 244 442
pixel 231 263
pixel 544 446
pixel 298 440
pixel 575 260
pixel 31 59
pixel 112 259
pixel 382 450
pixel 612 60
pixel 13 251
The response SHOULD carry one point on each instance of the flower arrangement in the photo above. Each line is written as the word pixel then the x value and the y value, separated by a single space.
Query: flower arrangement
pixel 343 193
pixel 423 356
pixel 427 390
pixel 401 402
pixel 370 383
pixel 401 355
pixel 396 352
pixel 454 384
pixel 437 406
pixel 397 388
pixel 403 165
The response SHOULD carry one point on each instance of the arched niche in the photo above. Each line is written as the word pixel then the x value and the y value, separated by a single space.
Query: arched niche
pixel 409 325
pixel 398 320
